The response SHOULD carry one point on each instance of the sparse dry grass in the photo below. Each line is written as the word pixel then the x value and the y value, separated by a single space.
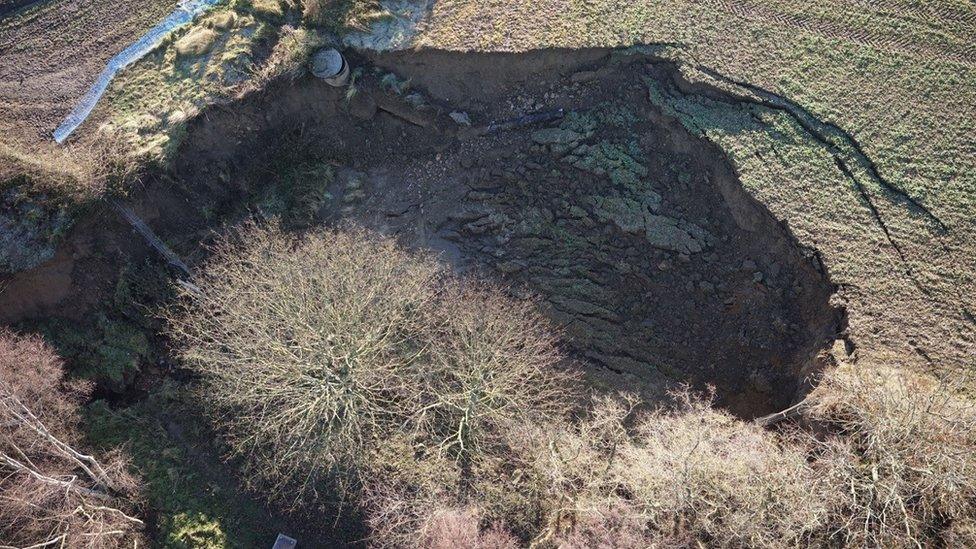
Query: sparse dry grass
pixel 71 174
pixel 341 14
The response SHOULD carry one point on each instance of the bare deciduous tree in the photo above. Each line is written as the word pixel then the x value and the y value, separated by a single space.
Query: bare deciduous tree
pixel 52 494
pixel 319 352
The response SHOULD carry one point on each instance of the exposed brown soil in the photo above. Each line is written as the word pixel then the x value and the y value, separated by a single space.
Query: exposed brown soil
pixel 635 233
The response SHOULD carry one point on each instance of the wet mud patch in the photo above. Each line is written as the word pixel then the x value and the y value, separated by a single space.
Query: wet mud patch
pixel 551 172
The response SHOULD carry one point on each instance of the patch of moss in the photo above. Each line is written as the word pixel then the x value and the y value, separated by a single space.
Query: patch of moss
pixel 579 122
pixel 192 510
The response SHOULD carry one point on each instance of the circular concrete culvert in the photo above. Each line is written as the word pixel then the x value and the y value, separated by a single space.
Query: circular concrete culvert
pixel 331 66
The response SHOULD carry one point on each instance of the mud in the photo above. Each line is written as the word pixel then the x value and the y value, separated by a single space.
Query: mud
pixel 635 234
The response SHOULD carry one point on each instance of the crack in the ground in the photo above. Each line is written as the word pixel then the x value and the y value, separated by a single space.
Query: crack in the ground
pixel 881 223
pixel 825 133
pixel 797 112
pixel 809 122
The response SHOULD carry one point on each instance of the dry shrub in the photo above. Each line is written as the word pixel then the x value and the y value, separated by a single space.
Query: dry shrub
pixel 704 472
pixel 317 12
pixel 903 455
pixel 456 528
pixel 51 493
pixel 494 359
pixel 308 347
pixel 46 167
pixel 617 525
pixel 341 357
pixel 674 477
pixel 74 172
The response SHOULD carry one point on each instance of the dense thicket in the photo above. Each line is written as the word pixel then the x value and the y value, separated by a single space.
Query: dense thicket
pixel 51 492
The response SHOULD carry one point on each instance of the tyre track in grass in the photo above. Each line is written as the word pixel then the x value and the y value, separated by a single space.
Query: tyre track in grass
pixel 827 29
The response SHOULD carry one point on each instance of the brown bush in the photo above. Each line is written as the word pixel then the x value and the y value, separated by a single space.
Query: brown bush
pixel 51 493
pixel 341 357
pixel 456 528
pixel 903 448
pixel 673 477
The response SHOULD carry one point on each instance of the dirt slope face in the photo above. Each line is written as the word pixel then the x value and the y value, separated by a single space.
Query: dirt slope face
pixel 568 184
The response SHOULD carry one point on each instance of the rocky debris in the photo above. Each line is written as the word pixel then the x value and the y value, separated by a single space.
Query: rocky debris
pixel 469 213
pixel 622 364
pixel 488 223
pixel 461 118
pixel 362 106
pixel 666 233
pixel 583 76
pixel 584 308
pixel 555 136
pixel 509 267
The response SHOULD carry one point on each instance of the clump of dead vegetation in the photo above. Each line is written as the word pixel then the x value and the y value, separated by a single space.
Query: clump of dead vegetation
pixel 441 408
pixel 51 493
pixel 342 14
pixel 902 450
pixel 78 172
